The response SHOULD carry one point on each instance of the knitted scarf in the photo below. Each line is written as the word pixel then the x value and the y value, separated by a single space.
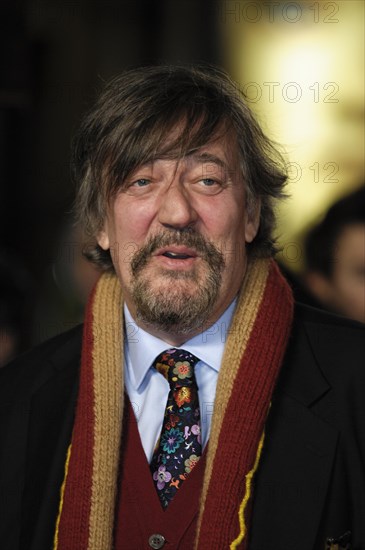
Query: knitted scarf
pixel 254 351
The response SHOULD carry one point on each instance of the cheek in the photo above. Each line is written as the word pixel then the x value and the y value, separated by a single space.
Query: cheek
pixel 226 229
pixel 131 227
pixel 223 215
pixel 350 285
pixel 344 293
pixel 131 221
pixel 233 246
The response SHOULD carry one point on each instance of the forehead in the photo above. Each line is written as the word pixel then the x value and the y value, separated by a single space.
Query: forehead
pixel 220 151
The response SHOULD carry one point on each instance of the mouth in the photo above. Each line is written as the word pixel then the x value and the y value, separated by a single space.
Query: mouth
pixel 176 257
pixel 177 253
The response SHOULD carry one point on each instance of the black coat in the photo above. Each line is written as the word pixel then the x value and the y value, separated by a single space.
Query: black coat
pixel 310 484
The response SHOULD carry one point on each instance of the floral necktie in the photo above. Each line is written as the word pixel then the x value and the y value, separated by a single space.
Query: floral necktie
pixel 179 447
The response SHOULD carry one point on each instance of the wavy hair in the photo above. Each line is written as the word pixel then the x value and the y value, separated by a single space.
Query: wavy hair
pixel 128 125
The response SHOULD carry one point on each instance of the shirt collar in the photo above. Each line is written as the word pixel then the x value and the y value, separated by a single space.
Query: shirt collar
pixel 141 347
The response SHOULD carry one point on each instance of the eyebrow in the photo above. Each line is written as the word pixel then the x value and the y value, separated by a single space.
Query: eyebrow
pixel 209 157
pixel 202 158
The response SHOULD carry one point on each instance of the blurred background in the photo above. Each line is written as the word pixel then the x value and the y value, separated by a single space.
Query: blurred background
pixel 300 64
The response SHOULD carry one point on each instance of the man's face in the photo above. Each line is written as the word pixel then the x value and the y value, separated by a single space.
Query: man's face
pixel 177 232
pixel 348 277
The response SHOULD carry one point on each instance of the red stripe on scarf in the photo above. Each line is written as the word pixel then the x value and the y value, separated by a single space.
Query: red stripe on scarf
pixel 248 406
pixel 73 533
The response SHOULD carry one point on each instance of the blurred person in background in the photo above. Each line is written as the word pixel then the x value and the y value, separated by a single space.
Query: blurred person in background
pixel 198 406
pixel 15 307
pixel 66 284
pixel 335 258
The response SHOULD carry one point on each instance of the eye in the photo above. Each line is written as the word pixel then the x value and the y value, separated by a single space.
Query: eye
pixel 208 186
pixel 208 182
pixel 139 186
pixel 141 182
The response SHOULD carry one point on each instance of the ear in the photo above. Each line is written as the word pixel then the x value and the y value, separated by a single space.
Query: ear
pixel 253 220
pixel 102 237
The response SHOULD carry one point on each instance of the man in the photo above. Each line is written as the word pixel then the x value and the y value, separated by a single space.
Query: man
pixel 335 257
pixel 204 412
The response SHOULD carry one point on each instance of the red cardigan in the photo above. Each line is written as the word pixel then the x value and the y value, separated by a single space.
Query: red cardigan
pixel 140 515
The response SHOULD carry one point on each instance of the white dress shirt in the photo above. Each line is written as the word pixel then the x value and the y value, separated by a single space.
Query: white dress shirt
pixel 148 390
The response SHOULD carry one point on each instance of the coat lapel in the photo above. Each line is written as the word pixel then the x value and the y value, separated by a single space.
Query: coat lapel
pixel 295 469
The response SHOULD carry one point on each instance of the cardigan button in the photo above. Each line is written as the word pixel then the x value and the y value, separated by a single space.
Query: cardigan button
pixel 156 541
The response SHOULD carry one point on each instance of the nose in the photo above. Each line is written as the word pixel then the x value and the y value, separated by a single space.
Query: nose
pixel 175 208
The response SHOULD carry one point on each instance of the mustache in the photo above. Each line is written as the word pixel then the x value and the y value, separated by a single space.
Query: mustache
pixel 190 238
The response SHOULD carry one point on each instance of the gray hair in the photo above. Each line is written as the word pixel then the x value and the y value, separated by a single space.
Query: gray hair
pixel 128 126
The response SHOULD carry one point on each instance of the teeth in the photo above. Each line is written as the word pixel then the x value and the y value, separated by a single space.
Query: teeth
pixel 175 255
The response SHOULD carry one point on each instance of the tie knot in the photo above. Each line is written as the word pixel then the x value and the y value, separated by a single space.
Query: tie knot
pixel 177 366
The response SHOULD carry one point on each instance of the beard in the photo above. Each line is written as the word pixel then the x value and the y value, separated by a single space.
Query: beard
pixel 182 301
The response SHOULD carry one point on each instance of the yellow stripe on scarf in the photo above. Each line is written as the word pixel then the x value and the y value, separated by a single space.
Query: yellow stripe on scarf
pixel 55 540
pixel 239 334
pixel 241 512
